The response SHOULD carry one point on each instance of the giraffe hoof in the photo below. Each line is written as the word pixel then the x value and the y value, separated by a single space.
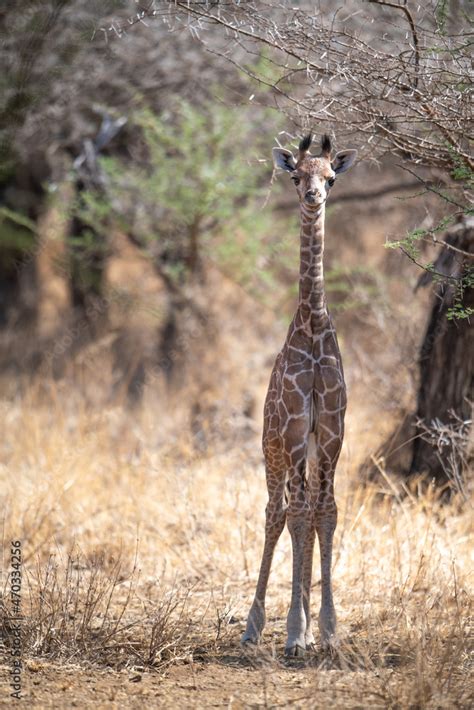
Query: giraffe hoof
pixel 330 645
pixel 248 640
pixel 295 651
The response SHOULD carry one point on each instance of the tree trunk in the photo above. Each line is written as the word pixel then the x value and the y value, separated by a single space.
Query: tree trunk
pixel 87 244
pixel 445 395
pixel 22 196
pixel 193 259
pixel 88 261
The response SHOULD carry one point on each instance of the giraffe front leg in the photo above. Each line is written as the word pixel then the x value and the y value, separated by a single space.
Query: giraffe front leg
pixel 299 526
pixel 275 522
pixel 307 578
pixel 326 520
pixel 312 493
pixel 329 442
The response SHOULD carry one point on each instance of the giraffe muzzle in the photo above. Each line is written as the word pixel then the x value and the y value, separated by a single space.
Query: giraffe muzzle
pixel 314 199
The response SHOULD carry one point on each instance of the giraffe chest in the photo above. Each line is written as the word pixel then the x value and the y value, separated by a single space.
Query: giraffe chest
pixel 307 382
pixel 306 371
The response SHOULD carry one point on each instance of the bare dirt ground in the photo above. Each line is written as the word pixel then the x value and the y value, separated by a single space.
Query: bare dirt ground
pixel 225 683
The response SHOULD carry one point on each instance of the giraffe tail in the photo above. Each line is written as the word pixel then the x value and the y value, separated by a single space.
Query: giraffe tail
pixel 311 465
pixel 311 456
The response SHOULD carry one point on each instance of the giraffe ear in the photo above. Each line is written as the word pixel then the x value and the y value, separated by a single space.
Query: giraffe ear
pixel 343 160
pixel 283 159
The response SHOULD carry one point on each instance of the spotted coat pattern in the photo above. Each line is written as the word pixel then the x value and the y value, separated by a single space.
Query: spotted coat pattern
pixel 304 424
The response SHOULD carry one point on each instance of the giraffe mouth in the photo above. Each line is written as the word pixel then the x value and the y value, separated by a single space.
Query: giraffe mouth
pixel 312 202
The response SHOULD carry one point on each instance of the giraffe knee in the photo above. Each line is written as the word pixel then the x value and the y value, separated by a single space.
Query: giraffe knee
pixel 299 522
pixel 325 517
pixel 275 518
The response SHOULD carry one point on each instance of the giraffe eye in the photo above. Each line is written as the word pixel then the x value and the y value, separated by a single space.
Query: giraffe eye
pixel 331 181
pixel 296 180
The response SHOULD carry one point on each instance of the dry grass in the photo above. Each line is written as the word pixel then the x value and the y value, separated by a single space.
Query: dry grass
pixel 140 554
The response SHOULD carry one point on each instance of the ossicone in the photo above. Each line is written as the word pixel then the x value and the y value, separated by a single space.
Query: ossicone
pixel 325 146
pixel 306 141
pixel 305 144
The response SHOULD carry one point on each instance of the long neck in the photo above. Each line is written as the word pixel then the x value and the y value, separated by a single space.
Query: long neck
pixel 312 298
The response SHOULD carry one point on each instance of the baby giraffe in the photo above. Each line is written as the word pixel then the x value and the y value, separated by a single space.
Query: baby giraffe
pixel 304 416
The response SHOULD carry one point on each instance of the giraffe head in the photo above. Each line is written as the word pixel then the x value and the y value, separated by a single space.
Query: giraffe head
pixel 312 175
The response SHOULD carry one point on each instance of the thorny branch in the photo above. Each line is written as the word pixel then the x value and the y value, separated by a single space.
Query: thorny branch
pixel 355 70
pixel 350 69
pixel 414 33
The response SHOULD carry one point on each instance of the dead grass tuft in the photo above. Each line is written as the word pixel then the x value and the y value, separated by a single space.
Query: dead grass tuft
pixel 148 560
pixel 80 613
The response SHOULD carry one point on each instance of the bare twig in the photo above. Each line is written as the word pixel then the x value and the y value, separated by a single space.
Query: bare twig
pixel 414 33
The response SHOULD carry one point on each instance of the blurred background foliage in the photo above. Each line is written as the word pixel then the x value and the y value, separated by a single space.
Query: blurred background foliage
pixel 196 178
pixel 139 208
